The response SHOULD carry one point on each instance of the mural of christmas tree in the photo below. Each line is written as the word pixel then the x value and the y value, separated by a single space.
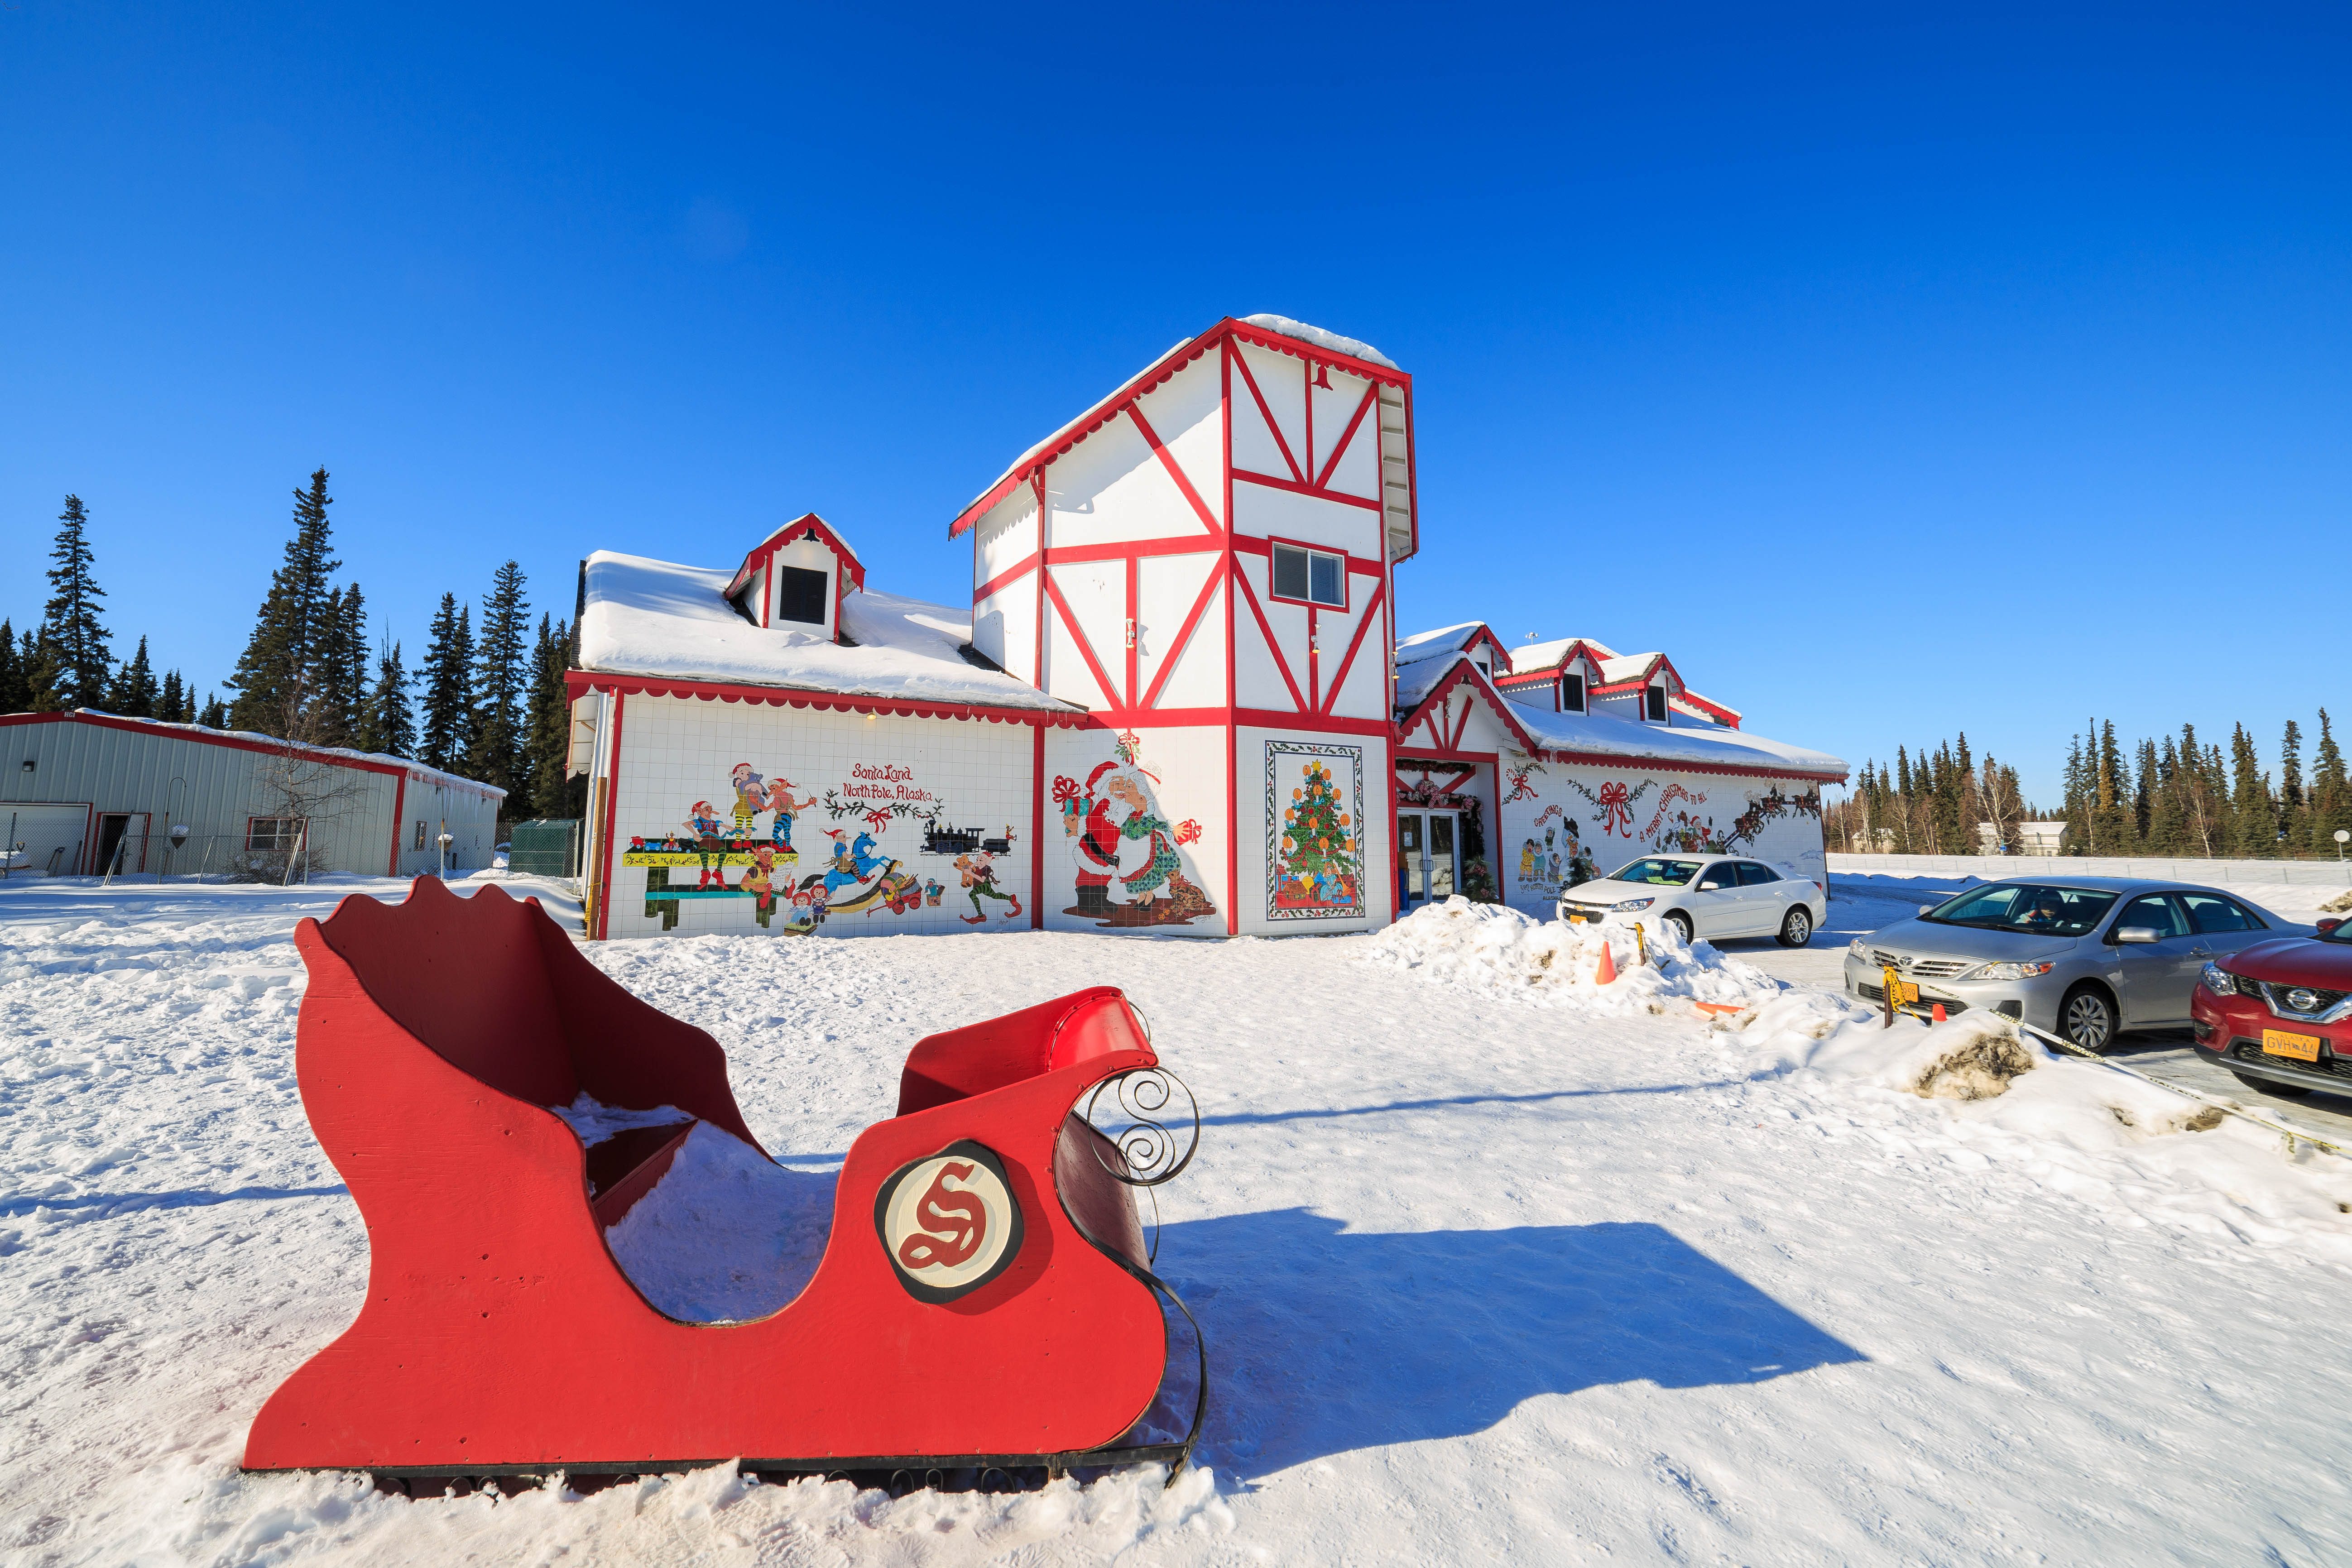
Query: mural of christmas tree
pixel 1320 864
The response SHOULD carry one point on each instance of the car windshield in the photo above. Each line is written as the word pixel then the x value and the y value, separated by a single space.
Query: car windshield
pixel 1657 873
pixel 2025 907
pixel 2341 934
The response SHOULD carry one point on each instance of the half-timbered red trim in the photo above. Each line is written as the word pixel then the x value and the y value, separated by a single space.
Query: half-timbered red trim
pixel 1300 487
pixel 1254 544
pixel 1168 461
pixel 1112 693
pixel 1112 550
pixel 611 809
pixel 1273 645
pixel 1465 673
pixel 1037 830
pixel 1330 464
pixel 1184 640
pixel 1272 424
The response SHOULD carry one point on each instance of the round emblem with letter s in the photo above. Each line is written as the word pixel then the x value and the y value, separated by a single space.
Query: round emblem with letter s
pixel 949 1223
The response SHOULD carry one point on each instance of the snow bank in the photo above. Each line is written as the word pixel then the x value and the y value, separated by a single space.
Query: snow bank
pixel 1493 947
pixel 2083 1129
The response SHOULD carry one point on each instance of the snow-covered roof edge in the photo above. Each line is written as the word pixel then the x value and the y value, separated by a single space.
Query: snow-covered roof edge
pixel 1354 348
pixel 415 769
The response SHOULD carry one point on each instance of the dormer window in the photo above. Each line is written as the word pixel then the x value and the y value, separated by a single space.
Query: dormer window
pixel 799 595
pixel 1656 697
pixel 1572 693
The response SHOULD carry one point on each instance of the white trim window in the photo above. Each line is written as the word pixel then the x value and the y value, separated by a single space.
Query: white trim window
pixel 1653 698
pixel 1571 692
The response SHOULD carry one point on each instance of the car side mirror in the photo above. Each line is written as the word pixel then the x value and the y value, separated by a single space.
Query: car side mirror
pixel 2329 924
pixel 1925 908
pixel 2138 934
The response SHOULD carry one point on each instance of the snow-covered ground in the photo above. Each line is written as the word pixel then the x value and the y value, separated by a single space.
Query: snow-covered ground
pixel 1493 1265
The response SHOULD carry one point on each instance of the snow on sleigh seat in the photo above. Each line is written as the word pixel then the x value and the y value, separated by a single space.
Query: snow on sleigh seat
pixel 983 1297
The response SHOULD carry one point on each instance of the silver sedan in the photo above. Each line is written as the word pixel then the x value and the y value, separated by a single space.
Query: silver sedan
pixel 2084 957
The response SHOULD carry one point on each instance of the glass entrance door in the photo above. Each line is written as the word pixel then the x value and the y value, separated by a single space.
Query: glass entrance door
pixel 1429 857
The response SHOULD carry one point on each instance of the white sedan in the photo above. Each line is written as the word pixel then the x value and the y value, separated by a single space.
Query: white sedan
pixel 1703 896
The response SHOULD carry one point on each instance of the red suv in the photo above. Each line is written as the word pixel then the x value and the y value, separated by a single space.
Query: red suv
pixel 2280 1014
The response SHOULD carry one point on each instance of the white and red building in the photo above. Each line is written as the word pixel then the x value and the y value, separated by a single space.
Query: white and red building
pixel 1177 701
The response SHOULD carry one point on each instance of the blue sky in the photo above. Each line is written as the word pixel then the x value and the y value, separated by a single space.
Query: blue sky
pixel 1897 377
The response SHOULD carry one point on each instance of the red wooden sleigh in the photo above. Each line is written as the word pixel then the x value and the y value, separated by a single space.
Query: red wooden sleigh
pixel 985 1298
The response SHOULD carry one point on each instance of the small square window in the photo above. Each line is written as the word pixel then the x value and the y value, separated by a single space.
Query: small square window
pixel 1314 577
pixel 272 834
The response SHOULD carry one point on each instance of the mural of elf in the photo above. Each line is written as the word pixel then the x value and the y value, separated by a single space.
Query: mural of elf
pixel 1318 844
pixel 859 875
pixel 1125 849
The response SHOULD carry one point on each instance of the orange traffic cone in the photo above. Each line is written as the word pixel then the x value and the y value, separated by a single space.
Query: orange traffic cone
pixel 1607 973
pixel 1939 1013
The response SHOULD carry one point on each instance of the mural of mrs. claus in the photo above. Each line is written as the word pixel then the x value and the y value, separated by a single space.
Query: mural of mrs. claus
pixel 1130 872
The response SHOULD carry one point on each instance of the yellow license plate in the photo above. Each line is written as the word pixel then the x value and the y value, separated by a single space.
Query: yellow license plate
pixel 1578 917
pixel 2302 1048
pixel 1898 990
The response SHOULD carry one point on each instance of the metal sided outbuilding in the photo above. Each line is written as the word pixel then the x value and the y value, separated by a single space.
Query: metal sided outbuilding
pixel 83 786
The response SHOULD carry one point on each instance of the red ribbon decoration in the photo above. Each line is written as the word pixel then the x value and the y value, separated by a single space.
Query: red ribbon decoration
pixel 1616 812
pixel 960 1220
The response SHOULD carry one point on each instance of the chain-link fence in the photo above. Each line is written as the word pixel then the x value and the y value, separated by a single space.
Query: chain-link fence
pixel 159 856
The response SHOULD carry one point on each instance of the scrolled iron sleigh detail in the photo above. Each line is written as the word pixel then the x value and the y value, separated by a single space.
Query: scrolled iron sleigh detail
pixel 985 1300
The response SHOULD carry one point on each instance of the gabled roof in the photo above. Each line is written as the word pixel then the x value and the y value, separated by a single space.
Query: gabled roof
pixel 1435 680
pixel 810 526
pixel 1460 638
pixel 1277 332
pixel 1544 658
pixel 254 740
pixel 658 618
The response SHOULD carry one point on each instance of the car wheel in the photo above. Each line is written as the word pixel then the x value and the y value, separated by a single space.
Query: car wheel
pixel 2087 1018
pixel 1680 924
pixel 2264 1085
pixel 1797 929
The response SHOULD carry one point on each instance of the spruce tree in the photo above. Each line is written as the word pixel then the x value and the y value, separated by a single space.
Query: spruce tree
pixel 552 787
pixel 391 728
pixel 70 619
pixel 496 756
pixel 2254 819
pixel 279 664
pixel 449 675
pixel 37 656
pixel 215 714
pixel 2331 792
pixel 167 706
pixel 133 693
pixel 15 696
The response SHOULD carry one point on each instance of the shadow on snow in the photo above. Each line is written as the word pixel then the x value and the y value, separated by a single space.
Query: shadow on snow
pixel 1323 1339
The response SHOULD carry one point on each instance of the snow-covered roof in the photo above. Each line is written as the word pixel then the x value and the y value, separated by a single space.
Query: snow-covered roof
pixel 1628 667
pixel 417 772
pixel 657 618
pixel 1354 348
pixel 1699 743
pixel 1545 655
pixel 1184 352
pixel 1430 645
